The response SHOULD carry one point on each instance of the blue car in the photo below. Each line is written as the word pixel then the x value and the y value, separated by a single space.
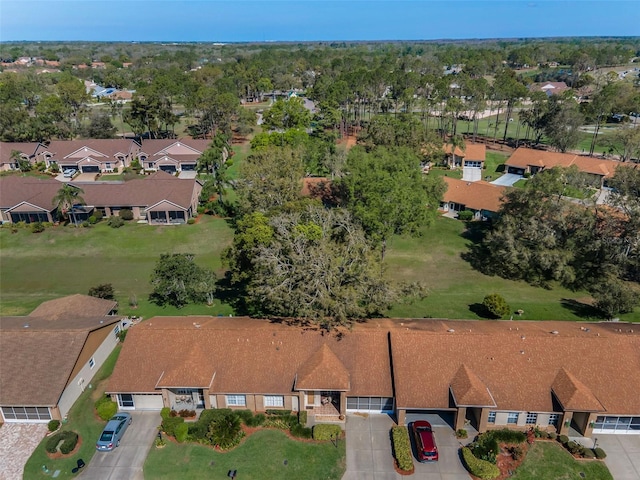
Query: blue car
pixel 113 432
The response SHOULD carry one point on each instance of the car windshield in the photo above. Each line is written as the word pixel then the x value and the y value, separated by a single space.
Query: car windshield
pixel 429 454
pixel 423 429
pixel 106 436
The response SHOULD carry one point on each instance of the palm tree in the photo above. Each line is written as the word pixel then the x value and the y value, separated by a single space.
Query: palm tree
pixel 66 198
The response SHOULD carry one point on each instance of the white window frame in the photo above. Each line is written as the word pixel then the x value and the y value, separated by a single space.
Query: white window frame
pixel 553 419
pixel 274 401
pixel 92 363
pixel 491 418
pixel 236 400
pixel 532 418
pixel 513 416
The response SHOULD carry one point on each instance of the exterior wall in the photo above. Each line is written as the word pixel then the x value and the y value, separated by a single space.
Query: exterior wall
pixel 94 340
pixel 542 420
pixel 254 402
pixel 83 377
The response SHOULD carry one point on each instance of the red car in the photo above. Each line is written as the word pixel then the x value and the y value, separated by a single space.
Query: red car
pixel 425 441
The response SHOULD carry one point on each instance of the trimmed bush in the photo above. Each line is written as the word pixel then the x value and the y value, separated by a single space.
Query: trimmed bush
pixel 401 448
pixel 599 453
pixel 37 227
pixel 563 439
pixel 279 413
pixel 164 413
pixel 553 435
pixel 465 215
pixel 181 431
pixel 325 431
pixel 256 420
pixel 301 431
pixel 496 305
pixel 588 453
pixel 461 433
pixel 225 431
pixel 126 214
pixel 115 222
pixel 191 221
pixel 477 467
pixel 69 441
pixel 302 417
pixel 169 425
pixel 245 415
pixel 505 435
pixel 106 408
pixel 53 425
pixel 486 447
pixel 187 413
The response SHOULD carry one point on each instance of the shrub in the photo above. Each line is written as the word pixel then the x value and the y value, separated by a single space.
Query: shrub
pixel 93 220
pixel 508 436
pixel 278 413
pixel 225 431
pixel 486 447
pixel 301 431
pixel 461 433
pixel 245 415
pixel 465 215
pixel 105 407
pixel 170 424
pixel 181 432
pixel 126 214
pixel 191 221
pixel 256 420
pixel 173 414
pixel 115 222
pixel 553 435
pixel 302 417
pixel 325 431
pixel 599 453
pixel 122 334
pixel 477 467
pixel 588 453
pixel 199 429
pixel 98 214
pixel 187 413
pixel 496 305
pixel 85 224
pixel 37 227
pixel 527 174
pixel 164 413
pixel 200 209
pixel 104 290
pixel 401 447
pixel 516 452
pixel 563 439
pixel 276 423
pixel 69 441
pixel 53 425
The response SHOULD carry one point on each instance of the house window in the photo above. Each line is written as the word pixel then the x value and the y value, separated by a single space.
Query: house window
pixel 236 401
pixel 26 413
pixel 532 418
pixel 492 417
pixel 273 401
pixel 512 419
pixel 183 391
pixel 116 331
pixel 92 362
pixel 553 419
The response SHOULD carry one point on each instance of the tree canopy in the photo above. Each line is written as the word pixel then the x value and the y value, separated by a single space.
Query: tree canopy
pixel 177 280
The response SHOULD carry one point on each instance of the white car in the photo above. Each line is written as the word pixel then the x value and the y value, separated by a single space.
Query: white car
pixel 69 172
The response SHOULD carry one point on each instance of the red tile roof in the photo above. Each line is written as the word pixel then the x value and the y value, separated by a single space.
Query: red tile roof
pixel 471 151
pixel 74 305
pixel 322 371
pixel 469 390
pixel 475 195
pixel 574 395
pixel 525 157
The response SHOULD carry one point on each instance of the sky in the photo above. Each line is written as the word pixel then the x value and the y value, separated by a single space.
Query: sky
pixel 312 20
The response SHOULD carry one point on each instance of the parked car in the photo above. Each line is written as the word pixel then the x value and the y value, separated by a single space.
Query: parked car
pixel 69 172
pixel 426 448
pixel 113 432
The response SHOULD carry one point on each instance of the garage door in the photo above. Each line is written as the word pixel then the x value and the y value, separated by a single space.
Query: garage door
pixel 168 168
pixel 90 169
pixel 370 404
pixel 189 167
pixel 148 402
pixel 617 425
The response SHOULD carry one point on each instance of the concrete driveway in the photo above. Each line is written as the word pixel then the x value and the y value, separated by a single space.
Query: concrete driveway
pixel 507 180
pixel 623 455
pixel 17 443
pixel 369 452
pixel 127 460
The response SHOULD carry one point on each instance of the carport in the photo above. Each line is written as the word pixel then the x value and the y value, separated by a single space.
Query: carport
pixel 437 418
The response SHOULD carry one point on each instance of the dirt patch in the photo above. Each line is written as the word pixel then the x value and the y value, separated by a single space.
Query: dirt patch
pixel 348 141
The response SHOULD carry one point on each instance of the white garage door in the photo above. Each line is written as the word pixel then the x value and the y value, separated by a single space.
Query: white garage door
pixel 617 425
pixel 148 402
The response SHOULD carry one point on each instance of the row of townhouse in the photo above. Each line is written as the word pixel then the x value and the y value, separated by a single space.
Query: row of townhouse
pixel 106 155
pixel 158 199
pixel 491 374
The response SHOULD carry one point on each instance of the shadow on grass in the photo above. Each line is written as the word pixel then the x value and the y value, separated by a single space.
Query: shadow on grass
pixel 581 309
pixel 481 311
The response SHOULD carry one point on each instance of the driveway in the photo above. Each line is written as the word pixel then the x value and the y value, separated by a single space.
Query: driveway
pixel 127 460
pixel 17 443
pixel 623 455
pixel 507 180
pixel 369 452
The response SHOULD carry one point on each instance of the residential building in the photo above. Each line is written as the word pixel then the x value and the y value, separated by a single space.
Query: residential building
pixel 160 199
pixel 482 198
pixel 171 155
pixel 492 374
pixel 471 159
pixel 27 151
pixel 549 88
pixel 49 357
pixel 90 156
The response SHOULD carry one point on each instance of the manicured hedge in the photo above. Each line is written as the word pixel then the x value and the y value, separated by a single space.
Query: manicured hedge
pixel 479 468
pixel 69 441
pixel 505 435
pixel 53 425
pixel 170 424
pixel 325 431
pixel 300 431
pixel 402 448
pixel 106 408
pixel 600 453
pixel 181 432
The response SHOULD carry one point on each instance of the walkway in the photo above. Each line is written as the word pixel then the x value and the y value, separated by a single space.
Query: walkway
pixel 507 180
pixel 17 443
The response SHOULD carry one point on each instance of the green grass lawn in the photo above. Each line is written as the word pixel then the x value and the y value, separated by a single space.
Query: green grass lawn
pixel 67 260
pixel 455 288
pixel 81 419
pixel 549 461
pixel 262 455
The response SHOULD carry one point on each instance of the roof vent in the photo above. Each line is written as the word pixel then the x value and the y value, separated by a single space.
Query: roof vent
pixel 521 352
pixel 522 337
pixel 554 332
pixel 26 325
pixel 197 325
pixel 451 330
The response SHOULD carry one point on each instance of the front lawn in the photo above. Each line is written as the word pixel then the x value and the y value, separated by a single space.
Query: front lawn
pixel 83 421
pixel 549 461
pixel 264 454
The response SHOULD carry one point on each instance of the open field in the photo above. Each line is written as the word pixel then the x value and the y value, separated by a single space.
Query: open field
pixel 549 461
pixel 65 260
pixel 264 454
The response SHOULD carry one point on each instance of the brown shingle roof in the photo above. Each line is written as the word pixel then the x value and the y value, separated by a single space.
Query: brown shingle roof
pixel 27 148
pixel 247 355
pixel 475 195
pixel 574 395
pixel 525 157
pixel 322 371
pixel 471 151
pixel 468 389
pixel 74 305
pixel 38 192
pixel 108 147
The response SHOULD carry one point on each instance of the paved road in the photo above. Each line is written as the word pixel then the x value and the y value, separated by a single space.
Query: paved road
pixel 369 452
pixel 126 461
